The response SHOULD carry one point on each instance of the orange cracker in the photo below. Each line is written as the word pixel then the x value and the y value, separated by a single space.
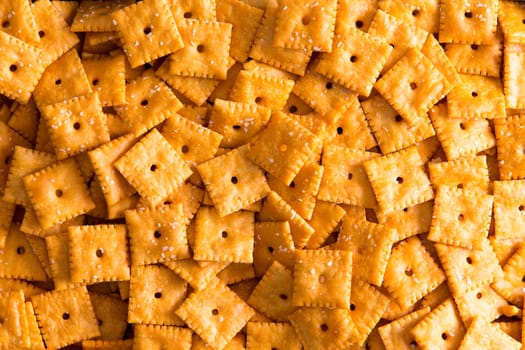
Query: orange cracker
pixel 271 335
pixel 302 191
pixel 56 38
pixel 205 312
pixel 468 22
pixel 153 167
pixel 18 20
pixel 305 24
pixel 513 63
pixel 325 218
pixel 356 61
pixel 482 334
pixel 166 238
pixel 273 242
pixel 245 20
pixel 460 137
pixel 400 34
pixel 149 101
pixel 236 273
pixel 14 332
pixel 422 13
pixel 8 140
pixel 39 248
pixel 197 273
pixel 511 285
pixel 58 193
pixel 413 220
pixel 396 334
pixel 7 212
pixel 227 238
pixel 155 337
pixel 344 179
pixel 106 75
pixel 65 317
pixel 284 147
pixel 323 328
pixel 98 253
pixel 411 272
pixel 58 252
pixel 263 50
pixel 476 59
pixel 481 302
pixel 436 54
pixel 238 122
pixel 193 9
pixel 441 328
pixel 24 120
pixel 468 269
pixel 468 99
pixel 508 209
pixel 413 85
pixel 76 125
pixel 461 217
pixel 391 131
pixel 273 295
pixel 276 209
pixel 370 245
pixel 469 173
pixel 35 337
pixel 147 31
pixel 24 162
pixel 354 14
pixel 240 183
pixel 204 55
pixel 407 183
pixel 296 105
pixel 155 294
pixel 19 70
pixel 510 16
pixel 93 16
pixel 509 139
pixel 112 315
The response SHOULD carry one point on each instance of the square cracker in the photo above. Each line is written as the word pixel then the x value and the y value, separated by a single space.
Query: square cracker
pixel 58 193
pixel 469 173
pixel 227 238
pixel 155 294
pixel 58 252
pixel 205 55
pixel 149 101
pixel 509 209
pixel 157 234
pixel 413 85
pixel 19 69
pixel 76 125
pixel 399 179
pixel 95 16
pixel 316 272
pixel 7 212
pixel 153 167
pixel 193 9
pixel 106 75
pixel 510 17
pixel 509 140
pixel 482 334
pixel 421 13
pixel 436 54
pixel 98 253
pixel 65 317
pixel 481 302
pixel 468 22
pixel 273 242
pixel 396 334
pixel 112 315
pixel 461 218
pixel 370 244
pixel 24 120
pixel 147 31
pixel 197 273
pixel 305 24
pixel 356 61
pixel 511 285
pixel 513 63
pixel 325 220
pixel 205 312
pixel 271 335
pixel 233 181
pixel 18 20
pixel 158 337
pixel 476 59
pixel 411 272
pixel 284 147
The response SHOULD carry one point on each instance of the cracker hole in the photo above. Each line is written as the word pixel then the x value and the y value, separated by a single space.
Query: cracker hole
pixel 444 336
pixel 479 295
pixel 352 307
pixel 305 20
pixel 359 24
pixel 329 85
pixel 461 217
pixel 187 14
pixel 95 82
pixel 6 160
pixel 398 118
pixel 462 126
pixel 157 234
pixel 234 180
pixel 147 30
pixel 523 21
pixel 399 180
pixel 474 94
pixel 200 48
pixel 158 295
pixel 409 272
pixel 413 344
pixel 460 186
pixel 185 149
pixel 59 193
pixel 292 184
pixel 339 130
pixel 65 316
pixel 283 296
pixel 144 102
pixel 322 279
pixel 100 323
pixel 236 127
pixel 469 260
pixel 474 46
pixel 153 167
pixel 5 24
pixel 350 176
pixel 324 327
pixel 99 253
pixel 521 207
pixel 468 14
pixel 416 12
pixel 405 209
pixel 214 312
pixel 258 99
pixel 270 249
pixel 292 109
pixel 20 250
pixel 413 85
pixel 393 46
pixel 58 81
pixel 274 348
pixel 523 279
pixel 76 125
pixel 41 33
pixel 224 234
pixel 353 58
pixel 13 68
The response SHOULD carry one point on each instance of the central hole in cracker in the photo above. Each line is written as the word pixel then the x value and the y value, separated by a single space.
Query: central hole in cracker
pixel 99 253
pixel 292 109
pixel 521 207
pixel 468 14
pixel 409 272
pixel 283 296
pixel 65 316
pixel 58 81
pixel 460 186
pixel 322 279
pixel 359 24
pixel 187 15
pixel 214 312
pixel 236 127
pixel 20 250
pixel 416 12
pixel 413 85
pixel 350 176
pixel 444 336
pixel 469 260
pixel 461 217
pixel 95 82
pixel 41 33
pixel 144 102
pixel 353 58
pixel 185 149
pixel 305 20
pixel 479 295
pixel 59 193
pixel 292 184
pixel 258 99
pixel 200 48
pixel 153 167
pixel 157 234
pixel 352 307
pixel 13 68
pixel 324 327
pixel 474 46
pixel 462 126
pixel 329 85
pixel 224 234
pixel 398 118
pixel 234 180
pixel 76 126
pixel 399 180
pixel 474 94
pixel 158 295
pixel 270 249
pixel 339 130
pixel 147 30
pixel 5 24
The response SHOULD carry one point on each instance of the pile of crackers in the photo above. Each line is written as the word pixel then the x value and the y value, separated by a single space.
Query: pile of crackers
pixel 262 174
